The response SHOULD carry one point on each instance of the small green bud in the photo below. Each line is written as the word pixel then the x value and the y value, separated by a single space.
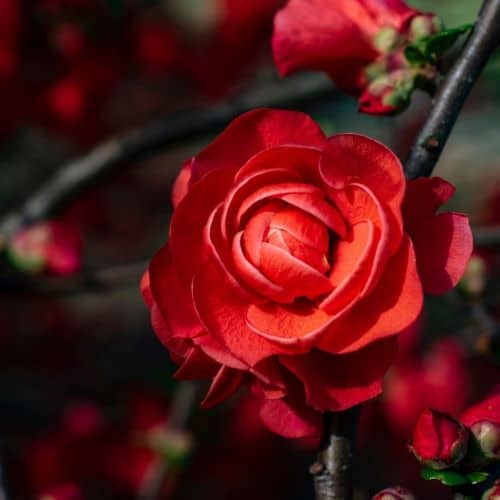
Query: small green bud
pixel 424 26
pixel 386 40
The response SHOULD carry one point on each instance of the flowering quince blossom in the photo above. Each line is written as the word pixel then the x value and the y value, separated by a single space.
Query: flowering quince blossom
pixel 359 44
pixel 293 261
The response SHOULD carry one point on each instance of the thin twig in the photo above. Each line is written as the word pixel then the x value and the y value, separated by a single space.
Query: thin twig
pixel 96 281
pixel 452 94
pixel 182 407
pixel 104 160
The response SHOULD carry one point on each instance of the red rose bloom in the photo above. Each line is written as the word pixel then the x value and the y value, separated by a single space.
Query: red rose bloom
pixel 293 262
pixel 358 43
pixel 439 441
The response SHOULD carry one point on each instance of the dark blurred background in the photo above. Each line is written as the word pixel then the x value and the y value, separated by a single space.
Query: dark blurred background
pixel 85 387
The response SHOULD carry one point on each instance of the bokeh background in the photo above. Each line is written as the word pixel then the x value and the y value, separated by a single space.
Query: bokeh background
pixel 86 389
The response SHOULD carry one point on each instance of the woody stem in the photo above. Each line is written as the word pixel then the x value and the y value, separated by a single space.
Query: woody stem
pixel 452 94
pixel 332 471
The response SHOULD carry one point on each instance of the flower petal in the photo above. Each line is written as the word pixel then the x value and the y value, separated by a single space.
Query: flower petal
pixel 354 158
pixel 222 309
pixel 325 35
pixel 226 383
pixel 181 183
pixel 290 420
pixel 171 297
pixel 253 132
pixel 197 365
pixel 293 275
pixel 255 279
pixel 295 326
pixel 336 383
pixel 390 308
pixel 190 218
pixel 443 243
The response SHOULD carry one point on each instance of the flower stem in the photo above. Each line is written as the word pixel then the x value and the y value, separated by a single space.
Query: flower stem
pixel 454 91
pixel 332 471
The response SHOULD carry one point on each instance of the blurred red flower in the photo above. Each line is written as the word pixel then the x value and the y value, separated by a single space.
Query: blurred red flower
pixel 293 262
pixel 89 446
pixel 439 379
pixel 51 247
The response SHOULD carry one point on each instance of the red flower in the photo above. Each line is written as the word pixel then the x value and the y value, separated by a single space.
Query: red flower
pixel 50 247
pixel 87 447
pixel 359 43
pixel 439 441
pixel 492 493
pixel 483 419
pixel 156 46
pixel 395 493
pixel 291 265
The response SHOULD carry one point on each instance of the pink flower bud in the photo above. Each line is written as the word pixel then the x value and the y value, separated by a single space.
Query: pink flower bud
pixel 493 493
pixel 483 419
pixel 50 247
pixel 394 493
pixel 439 441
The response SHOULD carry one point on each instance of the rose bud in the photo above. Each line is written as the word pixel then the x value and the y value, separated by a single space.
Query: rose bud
pixel 483 419
pixel 50 247
pixel 439 441
pixel 293 263
pixel 492 493
pixel 354 42
pixel 394 493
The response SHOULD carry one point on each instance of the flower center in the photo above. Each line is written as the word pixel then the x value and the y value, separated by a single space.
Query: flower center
pixel 291 248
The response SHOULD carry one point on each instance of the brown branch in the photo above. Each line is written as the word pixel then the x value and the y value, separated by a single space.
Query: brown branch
pixel 106 159
pixel 332 471
pixel 452 94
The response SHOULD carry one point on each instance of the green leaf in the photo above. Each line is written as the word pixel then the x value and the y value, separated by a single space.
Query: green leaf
pixel 439 43
pixel 446 477
pixel 415 56
pixel 427 49
pixel 477 477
